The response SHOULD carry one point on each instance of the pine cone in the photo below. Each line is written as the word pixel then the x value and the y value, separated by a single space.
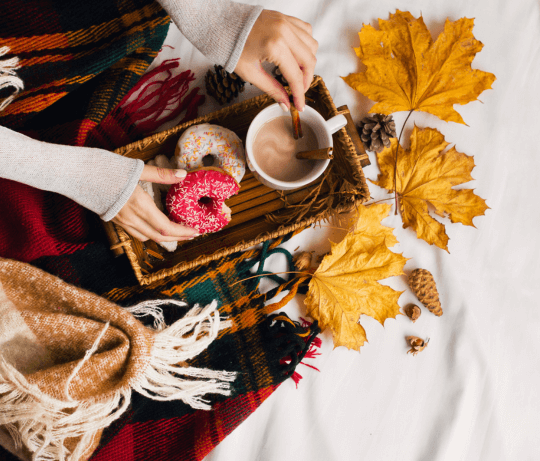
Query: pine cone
pixel 376 131
pixel 422 284
pixel 222 85
pixel 279 76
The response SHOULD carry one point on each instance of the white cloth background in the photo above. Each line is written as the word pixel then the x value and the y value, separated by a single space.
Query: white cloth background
pixel 473 393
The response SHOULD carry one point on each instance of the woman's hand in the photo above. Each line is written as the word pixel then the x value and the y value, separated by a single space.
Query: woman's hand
pixel 287 42
pixel 140 216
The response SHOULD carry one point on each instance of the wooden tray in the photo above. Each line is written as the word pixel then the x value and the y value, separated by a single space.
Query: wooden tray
pixel 258 212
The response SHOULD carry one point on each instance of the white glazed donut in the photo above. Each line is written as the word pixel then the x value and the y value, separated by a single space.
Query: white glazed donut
pixel 223 145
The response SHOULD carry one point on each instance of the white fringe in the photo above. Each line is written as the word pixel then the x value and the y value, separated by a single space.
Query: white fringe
pixel 152 309
pixel 42 423
pixel 183 340
pixel 8 77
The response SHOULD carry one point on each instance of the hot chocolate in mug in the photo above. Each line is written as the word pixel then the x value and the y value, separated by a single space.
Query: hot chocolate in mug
pixel 271 149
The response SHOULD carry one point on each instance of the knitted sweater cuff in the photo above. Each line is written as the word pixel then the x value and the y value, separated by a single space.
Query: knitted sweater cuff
pixel 249 20
pixel 217 28
pixel 94 178
pixel 126 192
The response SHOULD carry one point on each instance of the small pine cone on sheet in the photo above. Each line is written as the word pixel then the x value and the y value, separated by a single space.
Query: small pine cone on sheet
pixel 302 260
pixel 376 131
pixel 423 285
pixel 222 85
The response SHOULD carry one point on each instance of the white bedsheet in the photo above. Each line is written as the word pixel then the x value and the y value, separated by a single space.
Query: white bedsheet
pixel 473 393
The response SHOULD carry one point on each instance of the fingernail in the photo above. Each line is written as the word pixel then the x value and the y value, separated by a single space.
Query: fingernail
pixel 180 173
pixel 284 108
pixel 302 110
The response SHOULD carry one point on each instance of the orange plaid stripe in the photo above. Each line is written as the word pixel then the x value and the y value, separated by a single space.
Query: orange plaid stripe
pixel 99 32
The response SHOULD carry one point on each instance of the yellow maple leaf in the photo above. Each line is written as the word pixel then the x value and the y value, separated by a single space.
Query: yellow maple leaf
pixel 407 71
pixel 345 286
pixel 367 221
pixel 425 176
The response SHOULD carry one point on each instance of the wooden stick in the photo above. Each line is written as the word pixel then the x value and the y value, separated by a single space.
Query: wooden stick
pixel 257 193
pixel 318 154
pixel 256 200
pixel 297 127
pixel 261 209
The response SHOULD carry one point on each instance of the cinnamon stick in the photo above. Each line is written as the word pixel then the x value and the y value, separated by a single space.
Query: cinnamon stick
pixel 297 127
pixel 317 154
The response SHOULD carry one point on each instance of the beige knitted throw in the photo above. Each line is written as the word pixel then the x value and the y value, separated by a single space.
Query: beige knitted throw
pixel 69 361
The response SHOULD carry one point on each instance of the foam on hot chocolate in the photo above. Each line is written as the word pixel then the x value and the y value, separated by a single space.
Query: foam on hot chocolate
pixel 274 149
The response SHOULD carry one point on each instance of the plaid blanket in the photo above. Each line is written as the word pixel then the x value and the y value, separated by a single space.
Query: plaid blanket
pixel 87 107
pixel 78 61
pixel 265 350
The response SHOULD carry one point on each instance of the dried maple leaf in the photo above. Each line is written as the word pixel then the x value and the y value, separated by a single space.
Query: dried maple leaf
pixel 425 176
pixel 406 70
pixel 368 222
pixel 346 286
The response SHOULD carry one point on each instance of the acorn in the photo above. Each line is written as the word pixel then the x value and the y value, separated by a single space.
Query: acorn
pixel 413 312
pixel 417 344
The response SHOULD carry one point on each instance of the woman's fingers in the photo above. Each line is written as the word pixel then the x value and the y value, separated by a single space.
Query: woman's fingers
pixel 265 82
pixel 162 175
pixel 305 61
pixel 291 71
pixel 286 42
pixel 135 233
pixel 304 54
pixel 305 26
pixel 142 219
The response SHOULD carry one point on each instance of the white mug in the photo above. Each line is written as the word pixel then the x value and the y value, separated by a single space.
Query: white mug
pixel 322 128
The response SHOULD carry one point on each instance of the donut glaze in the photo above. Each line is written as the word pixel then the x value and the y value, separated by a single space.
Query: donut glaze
pixel 198 200
pixel 222 147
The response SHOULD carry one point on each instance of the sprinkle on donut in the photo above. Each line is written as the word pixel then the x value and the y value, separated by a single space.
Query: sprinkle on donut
pixel 198 200
pixel 211 145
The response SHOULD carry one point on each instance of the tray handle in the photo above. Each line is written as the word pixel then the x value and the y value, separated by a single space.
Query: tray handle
pixel 355 137
pixel 117 245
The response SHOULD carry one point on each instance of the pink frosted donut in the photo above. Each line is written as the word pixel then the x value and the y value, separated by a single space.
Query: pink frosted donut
pixel 198 200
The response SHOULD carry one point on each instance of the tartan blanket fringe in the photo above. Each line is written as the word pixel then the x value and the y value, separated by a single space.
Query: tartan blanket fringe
pixel 9 78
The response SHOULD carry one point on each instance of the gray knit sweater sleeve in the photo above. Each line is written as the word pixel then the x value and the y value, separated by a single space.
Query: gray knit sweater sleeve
pixel 95 178
pixel 98 179
pixel 218 28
